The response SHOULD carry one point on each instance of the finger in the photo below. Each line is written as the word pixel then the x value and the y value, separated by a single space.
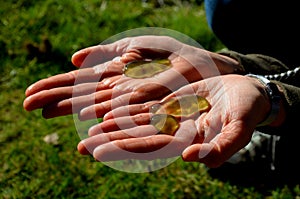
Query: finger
pixel 94 55
pixel 149 147
pixel 148 52
pixel 147 45
pixel 143 53
pixel 208 127
pixel 75 104
pixel 88 145
pixel 198 153
pixel 222 147
pixel 119 99
pixel 66 79
pixel 131 55
pixel 129 110
pixel 120 123
pixel 196 88
pixel 145 148
pixel 94 74
pixel 99 110
pixel 208 153
pixel 142 90
pixel 45 97
pixel 108 69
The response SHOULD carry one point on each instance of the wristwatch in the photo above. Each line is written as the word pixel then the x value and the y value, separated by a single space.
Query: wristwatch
pixel 274 95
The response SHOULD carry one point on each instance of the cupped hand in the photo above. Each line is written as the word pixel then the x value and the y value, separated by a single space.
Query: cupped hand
pixel 99 84
pixel 238 104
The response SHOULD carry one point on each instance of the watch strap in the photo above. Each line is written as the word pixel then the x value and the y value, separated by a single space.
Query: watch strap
pixel 274 96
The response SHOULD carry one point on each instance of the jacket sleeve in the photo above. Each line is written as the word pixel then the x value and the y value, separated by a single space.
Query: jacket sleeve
pixel 287 78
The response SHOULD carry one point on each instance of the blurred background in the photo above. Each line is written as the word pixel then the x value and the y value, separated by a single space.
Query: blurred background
pixel 39 158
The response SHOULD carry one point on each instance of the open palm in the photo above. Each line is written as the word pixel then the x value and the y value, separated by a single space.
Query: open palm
pixel 99 85
pixel 237 106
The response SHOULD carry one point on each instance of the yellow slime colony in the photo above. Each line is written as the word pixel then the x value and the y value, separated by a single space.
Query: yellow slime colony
pixel 145 68
pixel 167 114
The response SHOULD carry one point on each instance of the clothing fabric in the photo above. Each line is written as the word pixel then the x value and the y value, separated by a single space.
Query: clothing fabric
pixel 259 34
pixel 266 27
pixel 262 36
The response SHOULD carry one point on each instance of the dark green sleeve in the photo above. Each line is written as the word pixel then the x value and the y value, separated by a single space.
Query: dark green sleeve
pixel 257 63
pixel 265 65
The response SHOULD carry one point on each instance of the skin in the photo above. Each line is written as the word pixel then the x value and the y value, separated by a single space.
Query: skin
pixel 98 89
pixel 89 91
pixel 210 138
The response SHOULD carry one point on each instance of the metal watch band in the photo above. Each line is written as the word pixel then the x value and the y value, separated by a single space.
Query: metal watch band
pixel 274 96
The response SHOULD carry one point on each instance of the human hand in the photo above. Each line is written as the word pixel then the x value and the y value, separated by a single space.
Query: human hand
pixel 238 104
pixel 101 76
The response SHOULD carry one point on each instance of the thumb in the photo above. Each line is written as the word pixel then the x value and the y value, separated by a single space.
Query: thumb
pixel 94 55
pixel 206 153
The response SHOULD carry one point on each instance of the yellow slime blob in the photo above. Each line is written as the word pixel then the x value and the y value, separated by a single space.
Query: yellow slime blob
pixel 165 124
pixel 142 68
pixel 183 106
pixel 166 113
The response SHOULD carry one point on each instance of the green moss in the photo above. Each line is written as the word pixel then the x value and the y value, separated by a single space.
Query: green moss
pixel 31 168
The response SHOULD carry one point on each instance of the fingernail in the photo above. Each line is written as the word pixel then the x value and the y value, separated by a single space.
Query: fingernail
pixel 82 149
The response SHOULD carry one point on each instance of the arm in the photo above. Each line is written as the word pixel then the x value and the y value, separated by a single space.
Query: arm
pixel 288 82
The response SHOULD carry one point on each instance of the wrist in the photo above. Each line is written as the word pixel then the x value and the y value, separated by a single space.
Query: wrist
pixel 282 112
pixel 227 65
pixel 276 114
